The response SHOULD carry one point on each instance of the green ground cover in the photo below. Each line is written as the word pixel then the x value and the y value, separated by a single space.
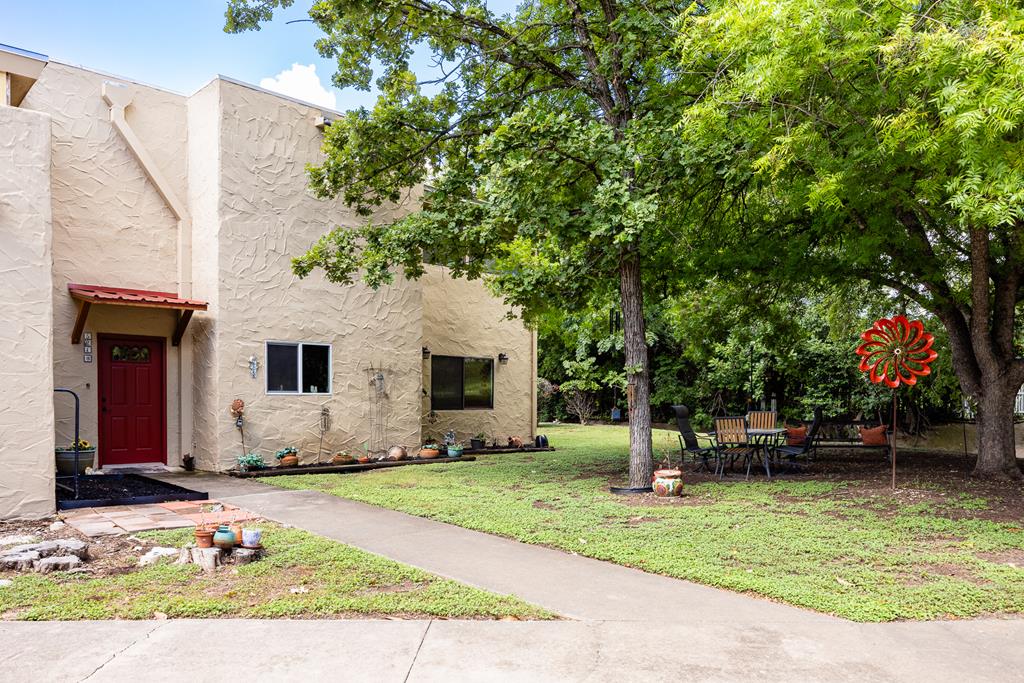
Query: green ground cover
pixel 942 547
pixel 303 576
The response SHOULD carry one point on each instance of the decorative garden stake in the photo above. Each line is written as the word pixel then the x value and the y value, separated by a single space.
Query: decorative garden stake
pixel 896 351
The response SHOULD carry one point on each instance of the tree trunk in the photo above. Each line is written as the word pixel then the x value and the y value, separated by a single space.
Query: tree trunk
pixel 997 456
pixel 638 391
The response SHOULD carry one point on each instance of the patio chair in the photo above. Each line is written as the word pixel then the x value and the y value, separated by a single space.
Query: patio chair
pixel 763 419
pixel 734 443
pixel 688 443
pixel 805 449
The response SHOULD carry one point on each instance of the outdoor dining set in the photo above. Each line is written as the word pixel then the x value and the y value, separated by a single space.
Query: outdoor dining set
pixel 746 439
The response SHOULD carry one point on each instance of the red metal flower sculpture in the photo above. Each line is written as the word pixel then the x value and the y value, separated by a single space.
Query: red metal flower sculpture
pixel 896 351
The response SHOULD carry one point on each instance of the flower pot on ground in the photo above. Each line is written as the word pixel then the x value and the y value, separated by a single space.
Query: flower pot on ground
pixel 667 483
pixel 430 451
pixel 342 458
pixel 455 450
pixel 288 457
pixel 477 443
pixel 65 457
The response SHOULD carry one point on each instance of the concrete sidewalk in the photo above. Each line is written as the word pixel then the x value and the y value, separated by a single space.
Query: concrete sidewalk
pixel 385 651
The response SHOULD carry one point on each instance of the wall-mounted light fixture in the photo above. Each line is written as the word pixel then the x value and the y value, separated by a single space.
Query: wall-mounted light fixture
pixel 426 352
pixel 503 358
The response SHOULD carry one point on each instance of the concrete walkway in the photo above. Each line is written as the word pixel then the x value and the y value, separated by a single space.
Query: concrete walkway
pixel 447 651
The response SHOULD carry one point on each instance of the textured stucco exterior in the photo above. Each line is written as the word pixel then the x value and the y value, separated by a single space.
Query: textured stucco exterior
pixel 206 196
pixel 110 225
pixel 266 216
pixel 26 337
pixel 461 318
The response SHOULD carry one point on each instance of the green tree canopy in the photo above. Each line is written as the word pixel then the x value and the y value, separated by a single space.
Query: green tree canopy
pixel 879 140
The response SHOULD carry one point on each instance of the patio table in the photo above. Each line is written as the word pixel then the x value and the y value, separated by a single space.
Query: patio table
pixel 759 438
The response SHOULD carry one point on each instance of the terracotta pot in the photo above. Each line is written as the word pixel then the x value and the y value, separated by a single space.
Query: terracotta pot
pixel 204 538
pixel 667 483
pixel 429 453
pixel 363 459
pixel 289 461
pixel 236 529
pixel 342 459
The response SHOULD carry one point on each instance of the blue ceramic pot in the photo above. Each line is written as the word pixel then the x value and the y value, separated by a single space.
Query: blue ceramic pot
pixel 224 538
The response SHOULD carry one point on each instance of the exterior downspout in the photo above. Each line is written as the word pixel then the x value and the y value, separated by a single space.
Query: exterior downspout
pixel 119 97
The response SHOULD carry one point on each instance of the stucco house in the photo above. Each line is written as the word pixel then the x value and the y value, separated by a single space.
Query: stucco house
pixel 145 246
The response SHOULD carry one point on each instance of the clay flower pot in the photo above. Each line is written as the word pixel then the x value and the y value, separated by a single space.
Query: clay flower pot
pixel 667 483
pixel 342 459
pixel 236 529
pixel 429 453
pixel 289 461
pixel 363 459
pixel 204 538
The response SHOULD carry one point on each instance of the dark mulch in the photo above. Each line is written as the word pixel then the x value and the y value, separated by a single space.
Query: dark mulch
pixel 119 489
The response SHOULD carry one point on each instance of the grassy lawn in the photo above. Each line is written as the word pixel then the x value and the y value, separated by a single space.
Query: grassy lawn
pixel 942 547
pixel 303 576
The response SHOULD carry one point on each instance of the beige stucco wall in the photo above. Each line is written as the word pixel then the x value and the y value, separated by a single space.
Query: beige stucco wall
pixel 267 216
pixel 26 339
pixel 461 318
pixel 204 199
pixel 110 226
pixel 237 156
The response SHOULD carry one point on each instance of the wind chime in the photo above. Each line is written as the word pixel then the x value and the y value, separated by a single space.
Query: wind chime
pixel 895 351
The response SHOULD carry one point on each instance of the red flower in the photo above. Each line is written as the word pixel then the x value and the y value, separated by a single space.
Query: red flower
pixel 896 350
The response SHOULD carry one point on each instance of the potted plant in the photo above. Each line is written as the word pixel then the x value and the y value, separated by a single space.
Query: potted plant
pixel 288 457
pixel 66 457
pixel 455 449
pixel 342 458
pixel 251 461
pixel 478 441
pixel 430 450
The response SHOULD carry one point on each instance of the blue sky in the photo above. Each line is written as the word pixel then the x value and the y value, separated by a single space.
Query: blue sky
pixel 177 45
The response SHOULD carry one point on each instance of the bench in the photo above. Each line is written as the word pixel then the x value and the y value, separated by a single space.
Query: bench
pixel 846 435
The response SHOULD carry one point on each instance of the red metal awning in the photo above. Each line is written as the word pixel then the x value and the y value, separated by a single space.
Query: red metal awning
pixel 87 295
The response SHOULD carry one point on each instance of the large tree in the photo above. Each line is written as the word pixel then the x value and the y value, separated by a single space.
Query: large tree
pixel 881 140
pixel 544 142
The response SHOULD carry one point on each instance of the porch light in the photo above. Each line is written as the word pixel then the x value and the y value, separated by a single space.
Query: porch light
pixel 503 358
pixel 426 352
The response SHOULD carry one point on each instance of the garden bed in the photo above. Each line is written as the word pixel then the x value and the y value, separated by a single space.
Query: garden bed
pixel 494 450
pixel 102 490
pixel 318 468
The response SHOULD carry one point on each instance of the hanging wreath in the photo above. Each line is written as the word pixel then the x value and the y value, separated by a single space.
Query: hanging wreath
pixel 896 351
pixel 237 407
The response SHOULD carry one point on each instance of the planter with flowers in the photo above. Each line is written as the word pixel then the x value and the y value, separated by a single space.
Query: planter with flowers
pixel 66 457
pixel 287 457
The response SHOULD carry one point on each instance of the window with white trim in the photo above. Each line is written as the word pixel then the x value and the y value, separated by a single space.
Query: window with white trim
pixel 298 368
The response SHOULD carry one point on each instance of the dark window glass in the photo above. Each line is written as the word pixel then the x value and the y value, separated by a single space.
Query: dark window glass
pixel 282 367
pixel 477 384
pixel 316 370
pixel 458 383
pixel 446 382
pixel 130 354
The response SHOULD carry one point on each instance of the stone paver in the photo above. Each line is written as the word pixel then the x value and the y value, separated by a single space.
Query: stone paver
pixel 131 518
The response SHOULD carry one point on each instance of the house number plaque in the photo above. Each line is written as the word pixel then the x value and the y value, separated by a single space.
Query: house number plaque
pixel 87 347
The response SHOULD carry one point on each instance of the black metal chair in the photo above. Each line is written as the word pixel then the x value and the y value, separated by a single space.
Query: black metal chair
pixel 689 445
pixel 805 449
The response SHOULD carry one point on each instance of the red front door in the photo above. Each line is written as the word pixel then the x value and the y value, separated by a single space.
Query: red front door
pixel 131 388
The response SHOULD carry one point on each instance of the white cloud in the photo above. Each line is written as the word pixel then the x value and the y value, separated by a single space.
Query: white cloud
pixel 301 82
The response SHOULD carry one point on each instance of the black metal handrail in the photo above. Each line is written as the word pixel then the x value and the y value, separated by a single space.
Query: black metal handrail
pixel 73 476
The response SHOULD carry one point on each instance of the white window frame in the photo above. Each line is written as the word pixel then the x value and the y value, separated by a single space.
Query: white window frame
pixel 298 360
